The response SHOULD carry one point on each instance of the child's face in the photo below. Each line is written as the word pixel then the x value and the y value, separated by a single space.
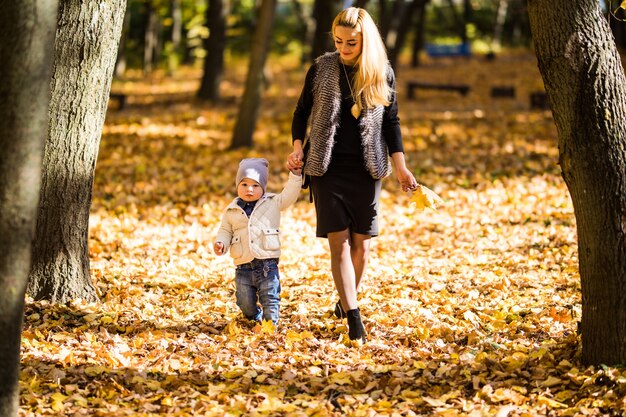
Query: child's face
pixel 249 190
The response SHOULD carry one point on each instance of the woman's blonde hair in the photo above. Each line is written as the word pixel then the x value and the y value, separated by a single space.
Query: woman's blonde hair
pixel 370 81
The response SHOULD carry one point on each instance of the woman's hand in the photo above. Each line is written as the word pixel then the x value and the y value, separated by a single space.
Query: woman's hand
pixel 405 177
pixel 296 158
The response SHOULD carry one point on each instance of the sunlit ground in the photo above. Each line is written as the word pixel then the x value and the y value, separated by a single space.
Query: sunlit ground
pixel 471 309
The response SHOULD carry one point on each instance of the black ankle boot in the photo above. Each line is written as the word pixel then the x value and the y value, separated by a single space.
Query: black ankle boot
pixel 356 330
pixel 339 313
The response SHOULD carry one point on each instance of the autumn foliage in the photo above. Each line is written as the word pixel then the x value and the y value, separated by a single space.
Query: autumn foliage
pixel 471 309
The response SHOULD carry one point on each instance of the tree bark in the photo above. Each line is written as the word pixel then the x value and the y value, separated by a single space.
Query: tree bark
pixel 86 43
pixel 26 32
pixel 586 86
pixel 249 107
pixel 215 44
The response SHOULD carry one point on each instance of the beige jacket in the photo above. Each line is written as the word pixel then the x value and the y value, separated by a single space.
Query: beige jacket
pixel 257 237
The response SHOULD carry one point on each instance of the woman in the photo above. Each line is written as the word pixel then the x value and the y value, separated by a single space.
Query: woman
pixel 349 98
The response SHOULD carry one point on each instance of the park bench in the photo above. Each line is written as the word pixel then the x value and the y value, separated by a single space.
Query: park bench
pixel 462 89
pixel 117 101
pixel 448 50
pixel 539 100
pixel 502 92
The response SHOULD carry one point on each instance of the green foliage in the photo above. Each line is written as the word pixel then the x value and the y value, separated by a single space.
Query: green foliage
pixel 289 33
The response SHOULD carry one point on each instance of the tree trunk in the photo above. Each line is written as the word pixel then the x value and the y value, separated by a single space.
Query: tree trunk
pixel 120 63
pixel 177 24
pixel 586 86
pixel 305 33
pixel 26 33
pixel 418 39
pixel 151 39
pixel 86 42
pixel 389 26
pixel 216 14
pixel 323 13
pixel 249 107
pixel 503 6
pixel 406 19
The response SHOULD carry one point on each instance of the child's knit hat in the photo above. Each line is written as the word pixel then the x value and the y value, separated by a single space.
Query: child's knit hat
pixel 253 168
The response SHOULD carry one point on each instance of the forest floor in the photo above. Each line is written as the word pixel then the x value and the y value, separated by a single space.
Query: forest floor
pixel 471 309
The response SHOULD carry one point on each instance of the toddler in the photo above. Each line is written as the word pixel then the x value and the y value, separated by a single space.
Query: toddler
pixel 250 229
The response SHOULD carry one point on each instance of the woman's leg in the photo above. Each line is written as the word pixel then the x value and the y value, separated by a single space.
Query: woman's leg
pixel 359 252
pixel 342 268
pixel 344 275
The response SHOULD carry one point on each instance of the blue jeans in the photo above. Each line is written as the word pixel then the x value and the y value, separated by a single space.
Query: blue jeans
pixel 258 281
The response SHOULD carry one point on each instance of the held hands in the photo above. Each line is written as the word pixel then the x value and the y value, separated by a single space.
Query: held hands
pixel 296 158
pixel 218 248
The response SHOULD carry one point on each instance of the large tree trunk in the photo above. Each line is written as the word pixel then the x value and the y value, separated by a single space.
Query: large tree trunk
pixel 216 14
pixel 251 101
pixel 585 82
pixel 85 48
pixel 26 35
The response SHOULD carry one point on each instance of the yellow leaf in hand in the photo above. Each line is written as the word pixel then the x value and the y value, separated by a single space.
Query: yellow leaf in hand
pixel 423 197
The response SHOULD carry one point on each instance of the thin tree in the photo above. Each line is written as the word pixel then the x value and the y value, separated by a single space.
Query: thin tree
pixel 418 38
pixel 26 34
pixel 84 57
pixel 585 82
pixel 324 12
pixel 251 101
pixel 215 44
pixel 152 37
pixel 498 27
pixel 396 37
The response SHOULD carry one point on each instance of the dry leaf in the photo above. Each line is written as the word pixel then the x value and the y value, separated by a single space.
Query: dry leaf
pixel 423 198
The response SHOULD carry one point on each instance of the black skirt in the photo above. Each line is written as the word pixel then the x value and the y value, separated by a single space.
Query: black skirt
pixel 346 197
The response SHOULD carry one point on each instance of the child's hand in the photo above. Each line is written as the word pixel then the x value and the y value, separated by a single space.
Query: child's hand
pixel 296 171
pixel 218 248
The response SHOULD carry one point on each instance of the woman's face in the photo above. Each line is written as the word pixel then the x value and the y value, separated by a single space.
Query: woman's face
pixel 349 43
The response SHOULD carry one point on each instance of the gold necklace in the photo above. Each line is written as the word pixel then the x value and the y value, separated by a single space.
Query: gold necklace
pixel 355 108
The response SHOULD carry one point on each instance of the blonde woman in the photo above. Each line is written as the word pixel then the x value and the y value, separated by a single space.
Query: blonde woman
pixel 349 103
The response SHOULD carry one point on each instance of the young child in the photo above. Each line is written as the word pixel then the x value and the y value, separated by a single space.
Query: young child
pixel 250 229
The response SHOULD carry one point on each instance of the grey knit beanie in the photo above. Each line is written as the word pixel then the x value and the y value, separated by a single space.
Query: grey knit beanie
pixel 253 168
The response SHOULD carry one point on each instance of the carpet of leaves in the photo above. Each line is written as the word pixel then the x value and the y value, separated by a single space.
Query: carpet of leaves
pixel 471 309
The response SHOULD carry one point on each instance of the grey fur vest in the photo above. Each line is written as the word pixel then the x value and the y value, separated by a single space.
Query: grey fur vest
pixel 326 115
